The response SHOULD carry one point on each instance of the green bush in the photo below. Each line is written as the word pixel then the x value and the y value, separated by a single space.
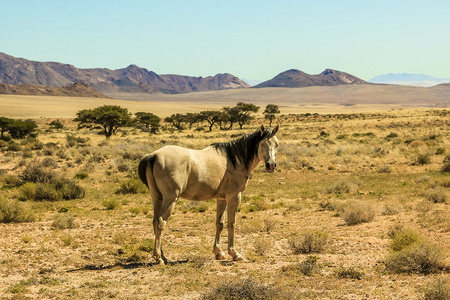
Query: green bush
pixel 81 175
pixel 309 242
pixel 132 186
pixel 111 204
pixel 15 212
pixel 27 191
pixel 404 238
pixel 12 181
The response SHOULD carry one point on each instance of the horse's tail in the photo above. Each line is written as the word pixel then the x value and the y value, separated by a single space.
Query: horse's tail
pixel 146 162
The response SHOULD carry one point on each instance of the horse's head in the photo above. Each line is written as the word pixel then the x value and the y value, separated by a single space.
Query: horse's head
pixel 267 151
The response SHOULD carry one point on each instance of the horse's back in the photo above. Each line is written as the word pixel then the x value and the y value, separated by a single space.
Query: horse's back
pixel 195 174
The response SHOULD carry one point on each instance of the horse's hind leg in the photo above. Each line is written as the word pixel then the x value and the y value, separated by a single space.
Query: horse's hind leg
pixel 163 208
pixel 221 206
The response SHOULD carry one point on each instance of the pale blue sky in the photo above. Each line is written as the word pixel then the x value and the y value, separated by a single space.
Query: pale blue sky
pixel 249 39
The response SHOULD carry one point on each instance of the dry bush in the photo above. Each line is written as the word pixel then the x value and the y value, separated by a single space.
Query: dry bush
pixel 356 212
pixel 262 245
pixel 342 187
pixel 15 212
pixel 36 172
pixel 349 273
pixel 419 258
pixel 309 242
pixel 307 267
pixel 244 289
pixel 438 289
pixel 437 195
pixel 64 222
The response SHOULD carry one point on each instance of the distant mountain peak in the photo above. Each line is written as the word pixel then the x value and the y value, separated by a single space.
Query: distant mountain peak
pixel 297 78
pixel 409 79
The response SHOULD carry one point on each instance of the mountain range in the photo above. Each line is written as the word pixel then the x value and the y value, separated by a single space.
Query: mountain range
pixel 137 80
pixel 132 79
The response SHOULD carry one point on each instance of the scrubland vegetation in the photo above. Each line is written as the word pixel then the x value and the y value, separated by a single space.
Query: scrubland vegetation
pixel 357 209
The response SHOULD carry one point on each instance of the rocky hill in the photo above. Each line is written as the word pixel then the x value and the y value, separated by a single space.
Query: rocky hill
pixel 132 79
pixel 77 89
pixel 297 78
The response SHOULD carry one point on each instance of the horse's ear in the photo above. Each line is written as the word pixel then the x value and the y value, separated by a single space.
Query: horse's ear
pixel 275 130
pixel 262 129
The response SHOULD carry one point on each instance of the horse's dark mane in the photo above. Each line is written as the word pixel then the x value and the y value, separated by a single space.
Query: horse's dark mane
pixel 245 148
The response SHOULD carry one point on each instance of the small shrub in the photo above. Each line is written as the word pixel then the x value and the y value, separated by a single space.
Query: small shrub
pixel 15 212
pixel 404 238
pixel 438 289
pixel 341 187
pixel 132 186
pixel 445 168
pixel 124 167
pixel 49 162
pixel 111 204
pixel 263 246
pixel 12 181
pixel 419 258
pixel 35 172
pixel 309 242
pixel 46 192
pixel 27 191
pixel 389 210
pixel 244 289
pixel 269 224
pixel 81 175
pixel 356 212
pixel 437 195
pixel 423 159
pixel 349 273
pixel 391 135
pixel 309 266
pixel 384 169
pixel 62 222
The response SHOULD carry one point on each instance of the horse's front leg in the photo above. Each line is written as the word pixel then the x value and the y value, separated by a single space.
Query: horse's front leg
pixel 221 206
pixel 233 206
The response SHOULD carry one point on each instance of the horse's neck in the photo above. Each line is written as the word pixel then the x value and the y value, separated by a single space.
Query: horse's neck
pixel 254 163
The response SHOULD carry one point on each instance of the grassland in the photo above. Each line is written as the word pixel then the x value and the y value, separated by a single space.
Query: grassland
pixel 346 182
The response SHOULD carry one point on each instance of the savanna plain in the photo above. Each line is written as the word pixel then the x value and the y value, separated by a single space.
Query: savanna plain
pixel 357 209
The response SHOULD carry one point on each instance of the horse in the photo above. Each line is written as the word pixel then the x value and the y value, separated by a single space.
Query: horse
pixel 220 171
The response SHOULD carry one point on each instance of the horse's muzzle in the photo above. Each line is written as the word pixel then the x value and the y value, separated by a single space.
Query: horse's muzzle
pixel 270 167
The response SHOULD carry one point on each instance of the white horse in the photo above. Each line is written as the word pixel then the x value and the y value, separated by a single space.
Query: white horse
pixel 220 171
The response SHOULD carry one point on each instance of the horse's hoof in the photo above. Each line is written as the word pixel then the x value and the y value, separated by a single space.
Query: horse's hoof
pixel 239 258
pixel 220 256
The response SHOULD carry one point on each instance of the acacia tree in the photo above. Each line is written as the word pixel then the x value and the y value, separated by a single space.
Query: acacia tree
pixel 150 120
pixel 109 118
pixel 211 116
pixel 4 125
pixel 176 120
pixel 19 129
pixel 245 113
pixel 271 112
